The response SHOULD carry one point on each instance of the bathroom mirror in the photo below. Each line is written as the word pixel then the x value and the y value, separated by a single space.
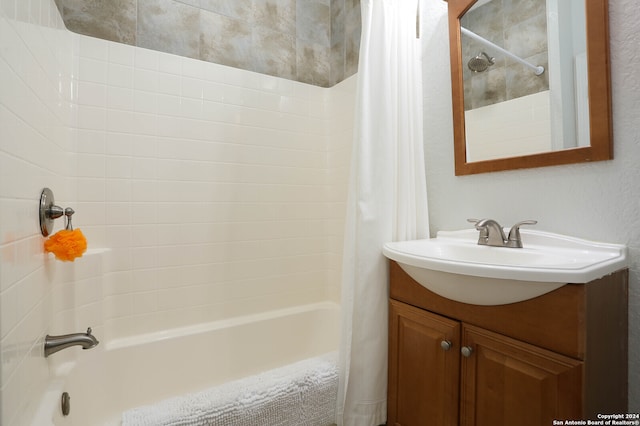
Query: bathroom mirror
pixel 530 83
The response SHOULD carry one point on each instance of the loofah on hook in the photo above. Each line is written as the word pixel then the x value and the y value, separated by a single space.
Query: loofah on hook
pixel 66 244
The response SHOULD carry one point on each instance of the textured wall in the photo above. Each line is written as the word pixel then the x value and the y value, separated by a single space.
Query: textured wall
pixel 519 26
pixel 598 201
pixel 311 41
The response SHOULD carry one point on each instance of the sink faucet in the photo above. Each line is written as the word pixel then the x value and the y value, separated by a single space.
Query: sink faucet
pixel 53 344
pixel 492 234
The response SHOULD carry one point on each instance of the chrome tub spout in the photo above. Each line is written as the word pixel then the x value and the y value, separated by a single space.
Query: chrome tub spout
pixel 53 344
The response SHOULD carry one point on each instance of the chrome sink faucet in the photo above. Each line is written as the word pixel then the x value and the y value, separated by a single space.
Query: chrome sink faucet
pixel 53 344
pixel 492 234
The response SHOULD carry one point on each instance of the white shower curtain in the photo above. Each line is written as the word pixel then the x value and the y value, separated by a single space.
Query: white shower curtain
pixel 387 199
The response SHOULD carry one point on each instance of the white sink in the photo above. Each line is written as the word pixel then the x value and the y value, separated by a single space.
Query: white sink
pixel 454 266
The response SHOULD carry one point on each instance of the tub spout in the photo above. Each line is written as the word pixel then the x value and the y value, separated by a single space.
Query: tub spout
pixel 53 344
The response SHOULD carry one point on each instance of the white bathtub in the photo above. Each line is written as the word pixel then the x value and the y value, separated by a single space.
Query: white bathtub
pixel 123 374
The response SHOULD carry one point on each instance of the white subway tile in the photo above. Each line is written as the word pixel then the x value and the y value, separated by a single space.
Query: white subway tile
pixel 146 102
pixel 144 168
pixel 144 145
pixel 119 144
pixel 118 190
pixel 194 68
pixel 119 212
pixel 92 70
pixel 144 190
pixel 146 80
pixel 91 189
pixel 118 283
pixel 171 64
pixel 90 141
pixel 191 108
pixel 146 59
pixel 94 48
pixel 169 105
pixel 213 91
pixel 122 54
pixel 144 279
pixel 92 118
pixel 144 235
pixel 192 88
pixel 10 314
pixel 144 257
pixel 120 76
pixel 145 302
pixel 90 214
pixel 119 305
pixel 88 290
pixel 144 213
pixel 90 165
pixel 169 84
pixel 118 167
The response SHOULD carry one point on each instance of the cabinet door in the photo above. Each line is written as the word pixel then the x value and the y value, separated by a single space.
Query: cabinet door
pixel 423 372
pixel 507 382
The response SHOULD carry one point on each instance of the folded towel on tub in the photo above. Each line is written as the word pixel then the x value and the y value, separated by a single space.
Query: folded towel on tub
pixel 303 393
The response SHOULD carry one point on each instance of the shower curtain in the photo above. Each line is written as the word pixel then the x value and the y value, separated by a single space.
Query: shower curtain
pixel 387 199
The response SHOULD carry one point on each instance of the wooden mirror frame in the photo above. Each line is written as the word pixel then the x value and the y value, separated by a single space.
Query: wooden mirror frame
pixel 599 79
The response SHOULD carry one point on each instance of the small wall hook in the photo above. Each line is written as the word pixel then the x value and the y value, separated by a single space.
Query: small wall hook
pixel 68 212
pixel 49 212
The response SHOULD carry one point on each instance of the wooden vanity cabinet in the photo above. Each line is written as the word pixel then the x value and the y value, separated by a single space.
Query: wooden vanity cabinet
pixel 559 356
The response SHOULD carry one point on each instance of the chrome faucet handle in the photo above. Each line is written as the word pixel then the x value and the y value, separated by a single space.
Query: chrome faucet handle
pixel 484 231
pixel 514 239
pixel 491 233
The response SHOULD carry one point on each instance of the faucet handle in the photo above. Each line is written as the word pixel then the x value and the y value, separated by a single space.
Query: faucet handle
pixel 514 239
pixel 484 231
pixel 89 331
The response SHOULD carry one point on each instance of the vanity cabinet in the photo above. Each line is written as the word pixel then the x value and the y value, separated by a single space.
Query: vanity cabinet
pixel 562 355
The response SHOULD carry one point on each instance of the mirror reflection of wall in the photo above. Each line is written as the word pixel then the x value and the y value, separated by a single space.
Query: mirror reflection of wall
pixel 507 106
pixel 569 86
pixel 519 27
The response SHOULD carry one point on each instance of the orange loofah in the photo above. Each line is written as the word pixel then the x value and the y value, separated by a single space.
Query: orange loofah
pixel 66 244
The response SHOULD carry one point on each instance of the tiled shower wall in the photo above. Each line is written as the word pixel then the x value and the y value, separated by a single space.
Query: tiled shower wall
pixel 519 26
pixel 217 191
pixel 311 41
pixel 36 115
pixel 210 185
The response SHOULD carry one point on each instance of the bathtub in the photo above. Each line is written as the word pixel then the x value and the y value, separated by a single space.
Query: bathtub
pixel 127 373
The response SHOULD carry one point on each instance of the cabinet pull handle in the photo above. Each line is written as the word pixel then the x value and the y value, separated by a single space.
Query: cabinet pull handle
pixel 446 345
pixel 466 351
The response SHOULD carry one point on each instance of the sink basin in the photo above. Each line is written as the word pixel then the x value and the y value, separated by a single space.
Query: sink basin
pixel 454 266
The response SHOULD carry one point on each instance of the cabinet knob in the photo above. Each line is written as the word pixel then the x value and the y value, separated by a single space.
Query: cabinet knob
pixel 446 345
pixel 466 351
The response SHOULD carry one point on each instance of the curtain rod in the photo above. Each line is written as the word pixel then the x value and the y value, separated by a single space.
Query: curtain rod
pixel 537 69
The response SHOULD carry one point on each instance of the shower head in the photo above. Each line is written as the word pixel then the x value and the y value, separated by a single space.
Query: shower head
pixel 480 62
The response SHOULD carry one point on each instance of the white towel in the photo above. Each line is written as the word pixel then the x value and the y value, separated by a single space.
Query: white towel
pixel 299 394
